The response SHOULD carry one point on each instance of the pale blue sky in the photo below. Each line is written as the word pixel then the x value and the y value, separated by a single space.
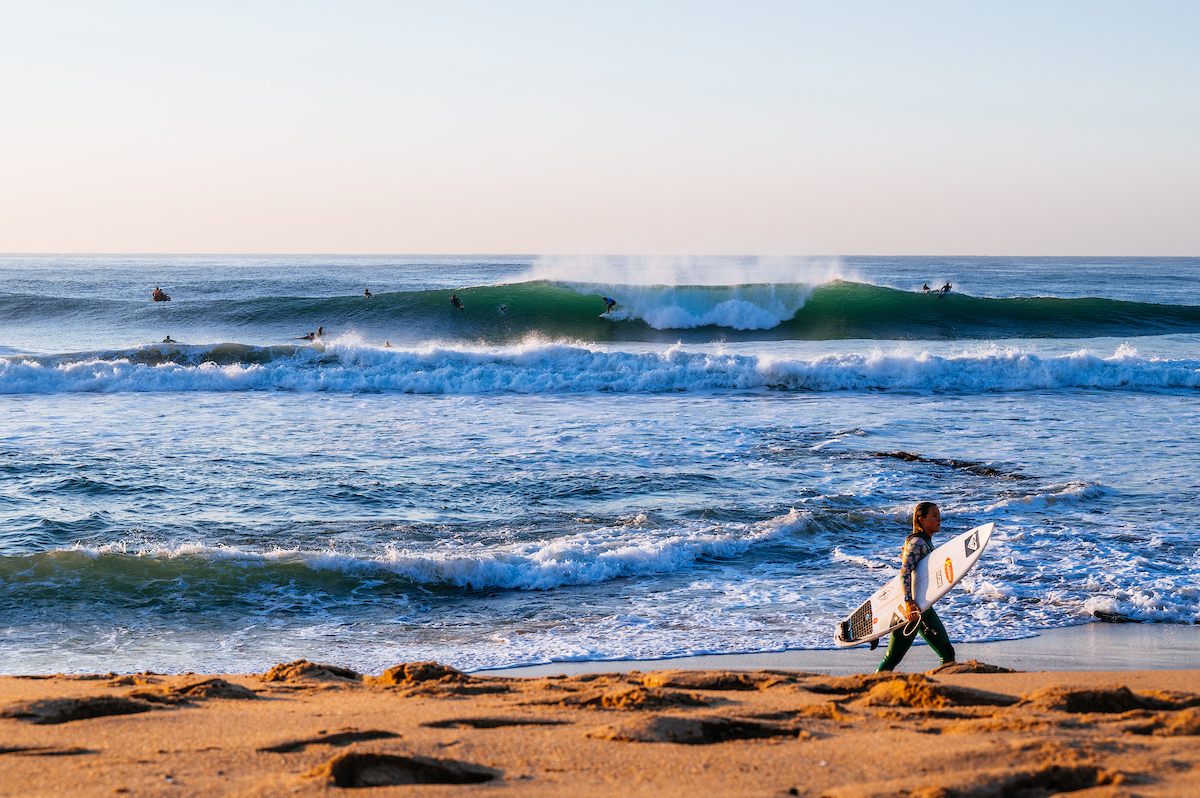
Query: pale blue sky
pixel 671 128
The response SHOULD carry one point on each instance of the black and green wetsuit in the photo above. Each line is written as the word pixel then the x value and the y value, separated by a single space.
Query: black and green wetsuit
pixel 917 547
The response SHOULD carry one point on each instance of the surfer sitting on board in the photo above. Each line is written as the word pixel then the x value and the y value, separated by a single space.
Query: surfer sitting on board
pixel 367 293
pixel 926 522
pixel 158 295
pixel 456 302
pixel 609 304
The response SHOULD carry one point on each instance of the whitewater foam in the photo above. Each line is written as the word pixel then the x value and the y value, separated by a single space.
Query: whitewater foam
pixel 593 557
pixel 599 555
pixel 539 367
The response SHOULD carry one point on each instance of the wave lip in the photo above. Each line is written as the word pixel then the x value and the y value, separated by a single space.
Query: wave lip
pixel 585 558
pixel 537 367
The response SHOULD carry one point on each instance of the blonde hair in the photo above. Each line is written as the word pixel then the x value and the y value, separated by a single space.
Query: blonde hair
pixel 920 511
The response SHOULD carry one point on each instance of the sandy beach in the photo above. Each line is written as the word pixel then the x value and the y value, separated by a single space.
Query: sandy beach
pixel 969 729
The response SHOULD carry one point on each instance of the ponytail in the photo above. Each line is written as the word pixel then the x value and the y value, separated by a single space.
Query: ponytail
pixel 919 512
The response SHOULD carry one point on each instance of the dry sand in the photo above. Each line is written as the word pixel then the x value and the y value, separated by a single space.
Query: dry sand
pixel 306 729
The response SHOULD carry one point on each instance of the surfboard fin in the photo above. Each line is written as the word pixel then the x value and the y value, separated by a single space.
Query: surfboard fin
pixel 875 644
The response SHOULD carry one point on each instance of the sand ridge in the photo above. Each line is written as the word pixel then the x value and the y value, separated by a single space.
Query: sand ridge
pixel 974 731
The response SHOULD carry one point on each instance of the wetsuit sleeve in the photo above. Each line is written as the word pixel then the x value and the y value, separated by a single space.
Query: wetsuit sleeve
pixel 914 551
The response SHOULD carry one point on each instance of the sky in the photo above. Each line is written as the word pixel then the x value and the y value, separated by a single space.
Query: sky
pixel 707 128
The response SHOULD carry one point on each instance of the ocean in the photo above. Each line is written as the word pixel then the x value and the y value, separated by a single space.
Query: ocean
pixel 725 463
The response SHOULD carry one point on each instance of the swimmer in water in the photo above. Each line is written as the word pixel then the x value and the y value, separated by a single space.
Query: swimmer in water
pixel 386 345
pixel 308 337
pixel 320 331
pixel 503 310
pixel 456 302
pixel 168 340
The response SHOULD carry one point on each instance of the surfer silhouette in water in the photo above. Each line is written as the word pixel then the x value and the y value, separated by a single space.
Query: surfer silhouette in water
pixel 926 522
pixel 456 302
pixel 367 293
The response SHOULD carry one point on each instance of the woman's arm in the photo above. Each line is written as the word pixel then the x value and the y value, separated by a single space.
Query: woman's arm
pixel 914 551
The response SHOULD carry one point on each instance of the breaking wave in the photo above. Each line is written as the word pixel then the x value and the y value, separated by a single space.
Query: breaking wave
pixel 573 310
pixel 348 365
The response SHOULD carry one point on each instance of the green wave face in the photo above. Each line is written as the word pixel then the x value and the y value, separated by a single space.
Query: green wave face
pixel 854 310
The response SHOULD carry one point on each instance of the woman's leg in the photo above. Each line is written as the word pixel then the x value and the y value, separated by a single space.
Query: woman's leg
pixel 931 629
pixel 898 645
pixel 935 635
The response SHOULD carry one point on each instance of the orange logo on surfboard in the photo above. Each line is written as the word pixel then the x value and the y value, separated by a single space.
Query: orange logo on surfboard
pixel 949 569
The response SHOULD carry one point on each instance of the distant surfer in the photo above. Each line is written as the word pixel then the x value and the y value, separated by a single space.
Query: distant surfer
pixel 386 345
pixel 945 289
pixel 367 293
pixel 159 296
pixel 320 331
pixel 925 288
pixel 609 304
pixel 456 302
pixel 503 310
pixel 168 340
pixel 312 336
pixel 926 522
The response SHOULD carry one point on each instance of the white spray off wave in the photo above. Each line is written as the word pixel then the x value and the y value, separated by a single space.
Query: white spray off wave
pixel 677 293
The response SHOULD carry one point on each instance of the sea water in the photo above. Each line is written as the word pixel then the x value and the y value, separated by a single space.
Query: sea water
pixel 725 463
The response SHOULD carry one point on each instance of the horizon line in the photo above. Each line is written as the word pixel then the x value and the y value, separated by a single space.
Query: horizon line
pixel 548 255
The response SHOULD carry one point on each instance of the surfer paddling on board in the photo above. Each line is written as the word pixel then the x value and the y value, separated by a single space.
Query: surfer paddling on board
pixel 926 522
pixel 456 302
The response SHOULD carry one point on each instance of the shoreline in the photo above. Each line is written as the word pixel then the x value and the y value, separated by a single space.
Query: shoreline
pixel 1096 646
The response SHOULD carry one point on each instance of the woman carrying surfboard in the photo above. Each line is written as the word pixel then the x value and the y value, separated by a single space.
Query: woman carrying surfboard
pixel 926 522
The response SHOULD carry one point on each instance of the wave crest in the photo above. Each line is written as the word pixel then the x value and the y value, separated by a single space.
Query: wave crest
pixel 349 365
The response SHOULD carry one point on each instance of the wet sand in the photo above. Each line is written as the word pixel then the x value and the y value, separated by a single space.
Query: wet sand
pixel 964 730
pixel 1088 647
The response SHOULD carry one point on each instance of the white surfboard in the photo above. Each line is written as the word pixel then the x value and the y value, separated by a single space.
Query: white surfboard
pixel 934 576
